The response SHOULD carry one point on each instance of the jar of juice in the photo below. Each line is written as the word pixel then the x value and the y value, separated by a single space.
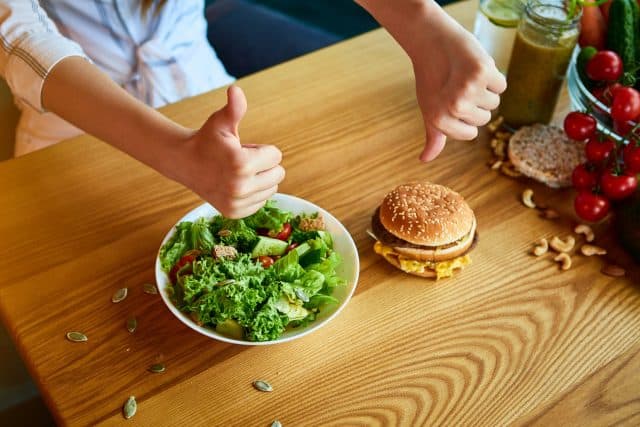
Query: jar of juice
pixel 545 39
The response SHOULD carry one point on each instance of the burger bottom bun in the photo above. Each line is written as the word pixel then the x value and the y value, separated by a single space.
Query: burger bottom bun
pixel 393 260
pixel 440 254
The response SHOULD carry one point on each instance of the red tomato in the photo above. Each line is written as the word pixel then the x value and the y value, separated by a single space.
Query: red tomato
pixel 618 187
pixel 598 151
pixel 284 233
pixel 591 207
pixel 584 177
pixel 623 128
pixel 625 105
pixel 579 126
pixel 187 258
pixel 266 261
pixel 604 8
pixel 593 28
pixel 631 155
pixel 291 247
pixel 600 93
pixel 605 65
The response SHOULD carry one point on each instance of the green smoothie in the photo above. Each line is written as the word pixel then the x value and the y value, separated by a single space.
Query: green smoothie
pixel 535 75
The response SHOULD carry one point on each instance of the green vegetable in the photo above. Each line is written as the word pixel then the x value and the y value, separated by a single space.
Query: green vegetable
pixel 623 29
pixel 268 246
pixel 269 216
pixel 586 53
pixel 238 297
pixel 177 245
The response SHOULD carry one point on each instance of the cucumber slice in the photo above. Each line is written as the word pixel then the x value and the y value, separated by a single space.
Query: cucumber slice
pixel 231 329
pixel 268 246
pixel 326 236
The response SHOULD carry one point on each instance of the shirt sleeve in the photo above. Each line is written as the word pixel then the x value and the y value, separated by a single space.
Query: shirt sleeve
pixel 30 46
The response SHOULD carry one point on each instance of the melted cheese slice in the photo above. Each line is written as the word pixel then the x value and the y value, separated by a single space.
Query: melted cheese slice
pixel 442 268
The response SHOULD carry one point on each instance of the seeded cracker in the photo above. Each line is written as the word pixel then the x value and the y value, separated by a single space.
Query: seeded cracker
pixel 546 154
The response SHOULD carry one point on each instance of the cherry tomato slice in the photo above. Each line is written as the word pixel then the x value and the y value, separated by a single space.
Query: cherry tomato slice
pixel 584 177
pixel 625 105
pixel 618 187
pixel 284 233
pixel 579 126
pixel 266 261
pixel 605 65
pixel 591 207
pixel 187 258
pixel 598 151
pixel 291 247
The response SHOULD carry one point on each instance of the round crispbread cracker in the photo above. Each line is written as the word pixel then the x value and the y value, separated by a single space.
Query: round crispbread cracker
pixel 546 154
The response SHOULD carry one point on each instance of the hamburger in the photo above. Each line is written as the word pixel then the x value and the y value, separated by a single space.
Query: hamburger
pixel 424 229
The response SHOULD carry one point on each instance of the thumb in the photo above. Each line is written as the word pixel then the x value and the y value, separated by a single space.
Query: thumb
pixel 227 119
pixel 433 144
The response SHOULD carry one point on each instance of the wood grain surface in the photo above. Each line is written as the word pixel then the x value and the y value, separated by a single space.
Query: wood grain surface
pixel 511 340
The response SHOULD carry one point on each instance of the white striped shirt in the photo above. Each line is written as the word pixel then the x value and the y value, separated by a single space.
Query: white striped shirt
pixel 159 58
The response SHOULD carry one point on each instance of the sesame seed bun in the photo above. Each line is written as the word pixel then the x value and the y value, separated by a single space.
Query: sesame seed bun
pixel 427 214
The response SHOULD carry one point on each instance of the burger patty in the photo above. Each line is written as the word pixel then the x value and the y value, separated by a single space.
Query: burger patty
pixel 388 239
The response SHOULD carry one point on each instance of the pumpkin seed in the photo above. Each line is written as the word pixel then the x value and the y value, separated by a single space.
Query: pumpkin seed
pixel 224 233
pixel 119 295
pixel 77 337
pixel 150 289
pixel 130 407
pixel 132 324
pixel 276 423
pixel 156 368
pixel 262 386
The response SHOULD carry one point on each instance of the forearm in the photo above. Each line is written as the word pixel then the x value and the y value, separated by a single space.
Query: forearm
pixel 405 19
pixel 81 94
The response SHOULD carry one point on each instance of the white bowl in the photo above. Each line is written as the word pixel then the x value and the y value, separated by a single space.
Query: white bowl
pixel 349 269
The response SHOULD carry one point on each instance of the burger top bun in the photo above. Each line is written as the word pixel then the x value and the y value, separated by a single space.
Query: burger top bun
pixel 426 214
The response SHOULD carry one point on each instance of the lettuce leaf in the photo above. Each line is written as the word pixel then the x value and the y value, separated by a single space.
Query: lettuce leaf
pixel 201 236
pixel 239 234
pixel 269 217
pixel 177 245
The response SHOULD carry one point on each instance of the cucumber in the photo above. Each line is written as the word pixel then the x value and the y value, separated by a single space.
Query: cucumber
pixel 586 53
pixel 268 246
pixel 627 225
pixel 326 236
pixel 230 328
pixel 623 30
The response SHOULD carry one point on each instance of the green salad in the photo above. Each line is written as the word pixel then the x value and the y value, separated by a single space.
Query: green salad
pixel 252 278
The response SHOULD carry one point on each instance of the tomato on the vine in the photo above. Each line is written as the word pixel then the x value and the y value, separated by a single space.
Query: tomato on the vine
pixel 597 150
pixel 618 186
pixel 625 105
pixel 584 177
pixel 591 207
pixel 605 65
pixel 579 126
pixel 631 156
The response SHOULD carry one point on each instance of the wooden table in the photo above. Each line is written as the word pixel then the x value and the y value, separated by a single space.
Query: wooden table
pixel 510 340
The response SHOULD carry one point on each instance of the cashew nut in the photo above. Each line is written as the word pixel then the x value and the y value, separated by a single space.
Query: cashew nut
pixel 589 250
pixel 527 198
pixel 559 245
pixel 541 247
pixel 613 270
pixel 550 214
pixel 509 170
pixel 503 135
pixel 498 148
pixel 564 259
pixel 496 165
pixel 586 230
pixel 495 125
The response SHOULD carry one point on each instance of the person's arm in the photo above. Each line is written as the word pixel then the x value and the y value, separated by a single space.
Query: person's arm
pixel 457 83
pixel 50 72
pixel 236 179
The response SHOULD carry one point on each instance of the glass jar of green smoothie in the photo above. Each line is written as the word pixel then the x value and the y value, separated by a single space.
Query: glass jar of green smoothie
pixel 545 39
